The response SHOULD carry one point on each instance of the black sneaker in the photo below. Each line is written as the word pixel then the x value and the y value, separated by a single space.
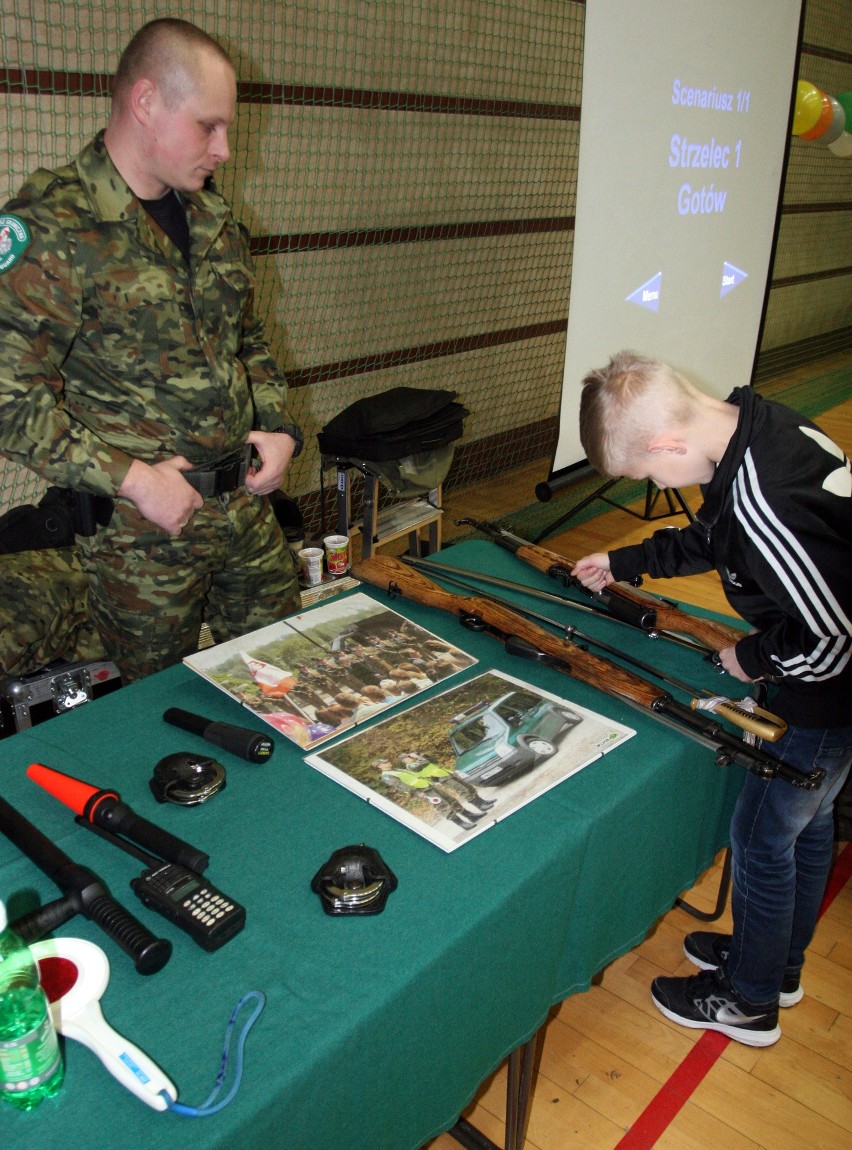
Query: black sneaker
pixel 707 1001
pixel 709 951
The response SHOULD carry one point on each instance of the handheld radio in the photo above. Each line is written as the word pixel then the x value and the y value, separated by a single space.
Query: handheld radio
pixel 171 886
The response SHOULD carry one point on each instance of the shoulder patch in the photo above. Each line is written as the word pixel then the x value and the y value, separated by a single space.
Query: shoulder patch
pixel 15 238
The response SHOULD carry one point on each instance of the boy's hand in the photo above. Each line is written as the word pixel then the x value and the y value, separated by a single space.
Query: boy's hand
pixel 593 571
pixel 728 659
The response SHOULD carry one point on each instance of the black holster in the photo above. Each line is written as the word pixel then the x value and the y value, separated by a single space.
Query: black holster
pixel 90 512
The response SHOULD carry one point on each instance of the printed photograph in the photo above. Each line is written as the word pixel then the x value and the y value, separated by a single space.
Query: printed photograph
pixel 325 670
pixel 454 765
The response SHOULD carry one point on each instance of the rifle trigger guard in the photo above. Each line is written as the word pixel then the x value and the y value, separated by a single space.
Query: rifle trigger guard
pixel 561 574
pixel 394 590
pixel 472 621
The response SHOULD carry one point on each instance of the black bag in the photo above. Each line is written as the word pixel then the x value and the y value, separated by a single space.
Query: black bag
pixel 396 423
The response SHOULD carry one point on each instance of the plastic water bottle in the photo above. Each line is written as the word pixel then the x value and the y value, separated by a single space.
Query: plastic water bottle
pixel 31 1066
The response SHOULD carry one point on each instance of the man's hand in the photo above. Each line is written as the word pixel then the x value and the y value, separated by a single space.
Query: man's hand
pixel 275 449
pixel 161 494
pixel 593 571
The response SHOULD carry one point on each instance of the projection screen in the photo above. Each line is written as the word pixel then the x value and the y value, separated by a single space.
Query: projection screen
pixel 683 133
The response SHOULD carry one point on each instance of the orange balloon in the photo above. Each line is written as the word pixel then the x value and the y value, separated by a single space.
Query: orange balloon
pixel 824 120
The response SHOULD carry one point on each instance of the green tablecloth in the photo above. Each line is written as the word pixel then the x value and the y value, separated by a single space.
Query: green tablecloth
pixel 377 1030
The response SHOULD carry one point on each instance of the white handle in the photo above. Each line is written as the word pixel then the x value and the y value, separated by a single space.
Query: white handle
pixel 125 1062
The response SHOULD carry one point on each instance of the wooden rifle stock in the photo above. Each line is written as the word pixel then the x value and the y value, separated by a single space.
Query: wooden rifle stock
pixel 382 571
pixel 754 719
pixel 397 578
pixel 624 602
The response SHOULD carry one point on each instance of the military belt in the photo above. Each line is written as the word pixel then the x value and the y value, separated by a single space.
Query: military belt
pixel 225 474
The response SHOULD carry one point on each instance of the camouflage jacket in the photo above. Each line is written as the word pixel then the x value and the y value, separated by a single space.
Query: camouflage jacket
pixel 111 346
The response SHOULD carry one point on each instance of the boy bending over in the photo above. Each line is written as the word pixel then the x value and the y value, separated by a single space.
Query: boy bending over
pixel 776 525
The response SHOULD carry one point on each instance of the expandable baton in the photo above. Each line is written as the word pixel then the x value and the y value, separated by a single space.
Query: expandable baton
pixel 105 809
pixel 84 894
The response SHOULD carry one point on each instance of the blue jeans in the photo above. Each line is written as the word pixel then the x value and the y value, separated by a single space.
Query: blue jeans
pixel 782 843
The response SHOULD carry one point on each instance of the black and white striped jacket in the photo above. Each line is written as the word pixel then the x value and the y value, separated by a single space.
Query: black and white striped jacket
pixel 776 524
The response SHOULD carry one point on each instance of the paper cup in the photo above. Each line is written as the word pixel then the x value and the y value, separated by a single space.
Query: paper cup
pixel 336 554
pixel 310 559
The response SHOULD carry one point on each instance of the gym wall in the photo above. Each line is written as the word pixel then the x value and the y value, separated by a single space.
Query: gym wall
pixel 407 173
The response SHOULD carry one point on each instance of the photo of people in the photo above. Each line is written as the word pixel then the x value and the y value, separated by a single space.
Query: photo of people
pixel 325 670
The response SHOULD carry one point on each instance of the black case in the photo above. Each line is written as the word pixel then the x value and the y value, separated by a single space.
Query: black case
pixel 58 687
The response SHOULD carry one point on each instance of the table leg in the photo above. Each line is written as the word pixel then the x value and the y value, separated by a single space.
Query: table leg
pixel 721 897
pixel 521 1074
pixel 522 1064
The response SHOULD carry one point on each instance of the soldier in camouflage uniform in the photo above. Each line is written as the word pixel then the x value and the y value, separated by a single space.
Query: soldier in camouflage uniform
pixel 130 354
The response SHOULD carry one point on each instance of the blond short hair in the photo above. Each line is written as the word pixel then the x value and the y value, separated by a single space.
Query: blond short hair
pixel 624 405
pixel 169 52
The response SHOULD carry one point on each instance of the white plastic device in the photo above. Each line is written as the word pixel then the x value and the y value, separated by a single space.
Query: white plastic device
pixel 75 973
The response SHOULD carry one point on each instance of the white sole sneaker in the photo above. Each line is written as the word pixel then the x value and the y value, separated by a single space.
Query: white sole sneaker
pixel 785 999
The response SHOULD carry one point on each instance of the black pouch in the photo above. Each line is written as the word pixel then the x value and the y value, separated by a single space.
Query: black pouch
pixel 36 528
pixel 90 512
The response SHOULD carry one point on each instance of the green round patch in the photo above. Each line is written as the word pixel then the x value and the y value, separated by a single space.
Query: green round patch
pixel 14 240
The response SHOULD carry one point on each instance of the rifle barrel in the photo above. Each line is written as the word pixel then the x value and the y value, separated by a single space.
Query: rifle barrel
pixel 758 721
pixel 622 600
pixel 397 578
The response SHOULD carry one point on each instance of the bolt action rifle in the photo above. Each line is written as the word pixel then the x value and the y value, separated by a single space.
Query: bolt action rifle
pixel 650 613
pixel 747 715
pixel 522 637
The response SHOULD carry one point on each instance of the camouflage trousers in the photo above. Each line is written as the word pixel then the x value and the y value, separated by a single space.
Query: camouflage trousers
pixel 149 593
pixel 43 611
pixel 449 803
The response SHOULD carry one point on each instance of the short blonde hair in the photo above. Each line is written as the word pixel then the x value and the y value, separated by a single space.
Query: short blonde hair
pixel 625 404
pixel 169 52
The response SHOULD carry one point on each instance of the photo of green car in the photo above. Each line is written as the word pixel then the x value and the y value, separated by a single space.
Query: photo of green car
pixel 496 742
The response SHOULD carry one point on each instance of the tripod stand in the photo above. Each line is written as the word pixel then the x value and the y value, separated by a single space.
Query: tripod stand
pixel 652 494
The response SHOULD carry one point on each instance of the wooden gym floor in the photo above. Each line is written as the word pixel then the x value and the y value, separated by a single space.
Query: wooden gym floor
pixel 614 1073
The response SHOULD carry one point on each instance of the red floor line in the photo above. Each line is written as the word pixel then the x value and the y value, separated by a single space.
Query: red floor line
pixel 670 1098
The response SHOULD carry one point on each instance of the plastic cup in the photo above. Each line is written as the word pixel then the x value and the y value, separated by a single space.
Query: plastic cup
pixel 310 559
pixel 336 554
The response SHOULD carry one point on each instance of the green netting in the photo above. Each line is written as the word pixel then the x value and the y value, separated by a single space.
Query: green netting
pixel 407 173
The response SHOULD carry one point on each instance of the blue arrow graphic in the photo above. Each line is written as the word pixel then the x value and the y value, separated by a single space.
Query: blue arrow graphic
pixel 731 277
pixel 648 295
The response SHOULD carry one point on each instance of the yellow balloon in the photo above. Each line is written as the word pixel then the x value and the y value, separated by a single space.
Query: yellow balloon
pixel 808 107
